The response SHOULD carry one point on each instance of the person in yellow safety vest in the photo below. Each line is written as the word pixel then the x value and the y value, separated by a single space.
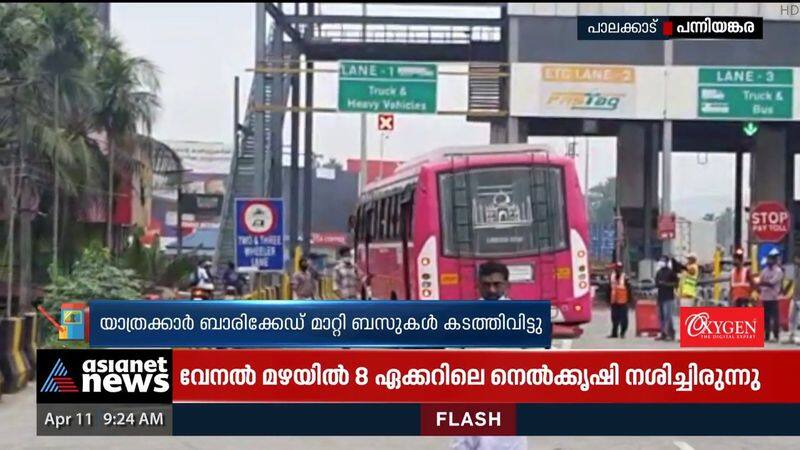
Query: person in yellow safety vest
pixel 688 287
pixel 741 281
pixel 619 302
pixel 794 306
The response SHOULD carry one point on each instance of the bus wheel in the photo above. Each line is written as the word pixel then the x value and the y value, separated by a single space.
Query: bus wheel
pixel 393 296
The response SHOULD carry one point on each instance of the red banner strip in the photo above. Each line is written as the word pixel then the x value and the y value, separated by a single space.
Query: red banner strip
pixel 465 376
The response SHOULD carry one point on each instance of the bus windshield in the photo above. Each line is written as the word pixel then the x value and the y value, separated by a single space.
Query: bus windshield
pixel 503 211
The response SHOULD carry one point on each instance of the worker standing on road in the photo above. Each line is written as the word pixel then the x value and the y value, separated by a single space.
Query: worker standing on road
pixel 769 290
pixel 304 281
pixel 619 302
pixel 688 289
pixel 741 281
pixel 794 315
pixel 492 285
pixel 666 281
pixel 346 280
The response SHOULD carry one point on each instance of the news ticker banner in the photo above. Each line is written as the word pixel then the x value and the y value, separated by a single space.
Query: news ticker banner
pixel 417 392
pixel 671 27
pixel 319 324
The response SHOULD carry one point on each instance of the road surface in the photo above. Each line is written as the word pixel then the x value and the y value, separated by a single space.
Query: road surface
pixel 17 428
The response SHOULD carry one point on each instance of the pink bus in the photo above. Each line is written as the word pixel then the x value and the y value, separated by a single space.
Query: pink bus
pixel 422 232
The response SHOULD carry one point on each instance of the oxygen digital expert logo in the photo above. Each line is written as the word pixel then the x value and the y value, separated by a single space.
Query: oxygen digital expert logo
pixel 722 327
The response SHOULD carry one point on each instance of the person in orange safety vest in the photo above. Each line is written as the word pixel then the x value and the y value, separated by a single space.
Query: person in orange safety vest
pixel 619 302
pixel 741 281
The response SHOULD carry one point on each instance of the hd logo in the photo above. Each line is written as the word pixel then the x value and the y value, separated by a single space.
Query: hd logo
pixel 104 376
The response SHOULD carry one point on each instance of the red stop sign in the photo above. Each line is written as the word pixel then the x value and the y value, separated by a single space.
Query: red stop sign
pixel 770 221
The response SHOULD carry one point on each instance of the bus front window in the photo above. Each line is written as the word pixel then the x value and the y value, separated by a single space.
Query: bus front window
pixel 502 211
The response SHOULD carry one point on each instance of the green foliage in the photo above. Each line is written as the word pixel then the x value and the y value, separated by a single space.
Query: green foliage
pixel 153 266
pixel 93 277
pixel 61 80
pixel 602 198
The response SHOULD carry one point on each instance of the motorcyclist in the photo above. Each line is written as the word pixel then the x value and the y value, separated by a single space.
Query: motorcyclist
pixel 202 276
pixel 232 279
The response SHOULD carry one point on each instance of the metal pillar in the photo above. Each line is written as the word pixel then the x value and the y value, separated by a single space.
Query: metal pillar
pixel 362 172
pixel 235 117
pixel 308 145
pixel 651 137
pixel 789 202
pixel 666 189
pixel 179 213
pixel 513 123
pixel 259 115
pixel 737 198
pixel 275 124
pixel 294 182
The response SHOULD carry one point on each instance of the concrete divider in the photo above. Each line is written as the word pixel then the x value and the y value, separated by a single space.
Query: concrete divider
pixel 13 363
pixel 29 334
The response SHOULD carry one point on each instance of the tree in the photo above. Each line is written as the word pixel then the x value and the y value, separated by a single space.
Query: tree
pixel 128 102
pixel 40 44
pixel 67 34
pixel 52 83
pixel 602 200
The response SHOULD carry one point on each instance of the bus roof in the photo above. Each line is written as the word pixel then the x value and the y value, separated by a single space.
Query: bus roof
pixel 409 169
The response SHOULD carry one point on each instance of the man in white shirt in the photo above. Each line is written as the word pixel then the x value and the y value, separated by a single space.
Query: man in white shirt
pixel 492 285
pixel 203 276
pixel 493 281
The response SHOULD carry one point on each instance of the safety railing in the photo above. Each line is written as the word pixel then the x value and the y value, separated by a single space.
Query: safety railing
pixel 407 34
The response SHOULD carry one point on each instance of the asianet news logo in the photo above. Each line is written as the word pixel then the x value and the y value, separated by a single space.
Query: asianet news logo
pixel 722 327
pixel 111 376
pixel 130 375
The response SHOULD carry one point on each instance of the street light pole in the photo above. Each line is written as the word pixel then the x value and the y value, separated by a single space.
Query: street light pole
pixel 666 163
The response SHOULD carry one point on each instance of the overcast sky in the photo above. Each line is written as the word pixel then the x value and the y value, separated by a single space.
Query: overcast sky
pixel 200 47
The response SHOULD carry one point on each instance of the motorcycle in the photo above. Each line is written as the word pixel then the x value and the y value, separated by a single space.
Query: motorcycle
pixel 230 293
pixel 202 292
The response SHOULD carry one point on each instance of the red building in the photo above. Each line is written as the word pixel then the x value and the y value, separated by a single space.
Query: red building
pixel 374 167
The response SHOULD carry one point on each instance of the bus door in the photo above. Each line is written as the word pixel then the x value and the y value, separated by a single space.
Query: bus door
pixel 462 227
pixel 542 225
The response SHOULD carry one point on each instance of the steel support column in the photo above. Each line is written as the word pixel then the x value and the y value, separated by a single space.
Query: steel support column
pixel 308 147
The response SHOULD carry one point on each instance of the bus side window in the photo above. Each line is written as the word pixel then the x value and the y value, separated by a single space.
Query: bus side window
pixel 357 228
pixel 407 203
pixel 393 217
pixel 380 221
pixel 373 223
pixel 386 203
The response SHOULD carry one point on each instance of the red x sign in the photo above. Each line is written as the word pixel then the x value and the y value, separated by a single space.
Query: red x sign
pixel 385 122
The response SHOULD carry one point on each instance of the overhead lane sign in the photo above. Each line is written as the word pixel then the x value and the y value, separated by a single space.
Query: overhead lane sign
pixel 745 93
pixel 387 87
pixel 588 90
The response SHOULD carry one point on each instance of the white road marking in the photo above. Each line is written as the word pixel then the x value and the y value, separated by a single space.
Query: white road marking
pixel 683 445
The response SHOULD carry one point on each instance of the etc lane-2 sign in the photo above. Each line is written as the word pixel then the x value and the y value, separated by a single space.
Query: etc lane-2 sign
pixel 580 90
pixel 387 87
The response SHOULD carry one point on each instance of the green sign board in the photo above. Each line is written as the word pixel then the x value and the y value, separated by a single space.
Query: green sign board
pixel 744 93
pixel 387 87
